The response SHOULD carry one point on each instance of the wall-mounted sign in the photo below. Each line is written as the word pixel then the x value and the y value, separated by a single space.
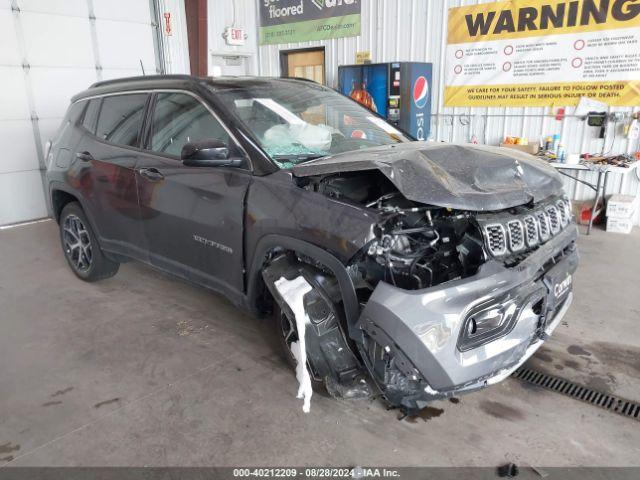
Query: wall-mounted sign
pixel 285 21
pixel 168 31
pixel 234 36
pixel 363 57
pixel 533 53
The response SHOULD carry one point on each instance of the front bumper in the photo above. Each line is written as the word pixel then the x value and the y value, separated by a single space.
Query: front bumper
pixel 422 328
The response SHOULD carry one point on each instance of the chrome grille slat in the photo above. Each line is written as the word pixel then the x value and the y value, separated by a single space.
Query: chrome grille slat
pixel 531 226
pixel 516 235
pixel 543 225
pixel 554 219
pixel 562 210
pixel 496 239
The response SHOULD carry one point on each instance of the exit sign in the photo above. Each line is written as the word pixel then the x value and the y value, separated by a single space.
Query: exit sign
pixel 234 36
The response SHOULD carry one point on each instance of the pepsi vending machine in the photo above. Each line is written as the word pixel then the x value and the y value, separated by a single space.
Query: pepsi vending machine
pixel 400 92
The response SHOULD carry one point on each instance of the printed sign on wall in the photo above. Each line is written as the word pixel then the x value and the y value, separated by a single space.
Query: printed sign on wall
pixel 543 53
pixel 286 21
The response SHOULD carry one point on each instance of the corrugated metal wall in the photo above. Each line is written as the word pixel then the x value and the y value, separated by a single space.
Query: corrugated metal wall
pixel 404 30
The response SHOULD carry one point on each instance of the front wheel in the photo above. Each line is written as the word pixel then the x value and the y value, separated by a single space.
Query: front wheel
pixel 287 333
pixel 80 246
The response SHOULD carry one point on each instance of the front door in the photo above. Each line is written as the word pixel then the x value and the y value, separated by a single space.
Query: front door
pixel 192 216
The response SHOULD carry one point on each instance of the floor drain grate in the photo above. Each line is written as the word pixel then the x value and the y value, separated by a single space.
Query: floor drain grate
pixel 615 404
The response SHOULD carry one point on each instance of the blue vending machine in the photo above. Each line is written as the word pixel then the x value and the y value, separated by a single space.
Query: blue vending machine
pixel 400 92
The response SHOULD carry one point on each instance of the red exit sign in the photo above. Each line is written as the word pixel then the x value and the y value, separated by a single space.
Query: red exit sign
pixel 234 36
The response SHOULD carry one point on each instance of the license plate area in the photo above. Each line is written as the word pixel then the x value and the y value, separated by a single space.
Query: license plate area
pixel 559 282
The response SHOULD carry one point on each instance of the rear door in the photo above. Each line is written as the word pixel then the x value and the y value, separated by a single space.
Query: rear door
pixel 104 170
pixel 192 216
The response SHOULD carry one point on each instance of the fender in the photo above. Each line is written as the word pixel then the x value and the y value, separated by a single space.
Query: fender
pixel 63 187
pixel 269 242
pixel 56 185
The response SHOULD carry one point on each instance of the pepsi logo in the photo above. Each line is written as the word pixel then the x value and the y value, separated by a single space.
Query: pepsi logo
pixel 358 134
pixel 420 92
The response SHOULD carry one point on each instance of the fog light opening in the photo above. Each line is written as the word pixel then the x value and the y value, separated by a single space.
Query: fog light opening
pixel 537 307
pixel 472 326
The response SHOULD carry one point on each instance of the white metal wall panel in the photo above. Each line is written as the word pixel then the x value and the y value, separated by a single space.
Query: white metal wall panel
pixel 18 150
pixel 21 196
pixel 9 52
pixel 115 41
pixel 47 54
pixel 175 46
pixel 125 37
pixel 415 30
pixel 68 8
pixel 13 95
pixel 136 11
pixel 238 13
pixel 56 40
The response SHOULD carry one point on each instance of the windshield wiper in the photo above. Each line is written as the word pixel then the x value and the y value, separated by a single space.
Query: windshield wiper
pixel 300 157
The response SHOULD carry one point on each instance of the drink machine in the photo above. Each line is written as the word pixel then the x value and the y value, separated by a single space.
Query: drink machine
pixel 400 92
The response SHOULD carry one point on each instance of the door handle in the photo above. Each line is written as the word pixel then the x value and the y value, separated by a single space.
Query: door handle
pixel 151 174
pixel 84 156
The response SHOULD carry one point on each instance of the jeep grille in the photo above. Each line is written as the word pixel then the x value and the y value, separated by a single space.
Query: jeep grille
pixel 509 233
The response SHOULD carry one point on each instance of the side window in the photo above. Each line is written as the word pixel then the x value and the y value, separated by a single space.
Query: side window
pixel 75 111
pixel 91 115
pixel 178 119
pixel 120 118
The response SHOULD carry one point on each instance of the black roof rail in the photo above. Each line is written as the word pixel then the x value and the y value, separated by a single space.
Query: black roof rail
pixel 302 79
pixel 142 78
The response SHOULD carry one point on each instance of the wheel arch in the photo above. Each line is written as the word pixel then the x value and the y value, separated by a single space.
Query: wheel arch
pixel 59 199
pixel 271 243
pixel 64 194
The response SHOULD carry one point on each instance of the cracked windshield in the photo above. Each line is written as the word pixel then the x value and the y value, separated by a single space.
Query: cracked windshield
pixel 297 122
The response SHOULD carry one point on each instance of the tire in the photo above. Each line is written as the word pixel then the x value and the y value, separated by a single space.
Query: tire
pixel 279 318
pixel 80 246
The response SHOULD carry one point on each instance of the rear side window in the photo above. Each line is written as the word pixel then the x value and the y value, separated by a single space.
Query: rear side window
pixel 120 119
pixel 91 115
pixel 75 111
pixel 178 119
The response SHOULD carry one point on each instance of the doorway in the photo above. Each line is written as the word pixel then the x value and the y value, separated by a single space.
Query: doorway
pixel 303 63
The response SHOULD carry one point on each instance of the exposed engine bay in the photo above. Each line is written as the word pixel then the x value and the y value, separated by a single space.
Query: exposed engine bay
pixel 448 337
pixel 415 246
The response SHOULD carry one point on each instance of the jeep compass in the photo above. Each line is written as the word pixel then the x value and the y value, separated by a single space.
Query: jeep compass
pixel 421 270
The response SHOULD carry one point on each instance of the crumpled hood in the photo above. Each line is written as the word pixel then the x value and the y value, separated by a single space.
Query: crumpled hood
pixel 464 177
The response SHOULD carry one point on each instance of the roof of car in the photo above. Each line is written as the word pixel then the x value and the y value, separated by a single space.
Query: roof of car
pixel 178 81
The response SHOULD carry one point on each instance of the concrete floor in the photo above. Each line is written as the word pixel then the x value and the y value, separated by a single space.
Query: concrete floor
pixel 143 369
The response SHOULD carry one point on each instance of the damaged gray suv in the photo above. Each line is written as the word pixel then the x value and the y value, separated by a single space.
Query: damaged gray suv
pixel 423 270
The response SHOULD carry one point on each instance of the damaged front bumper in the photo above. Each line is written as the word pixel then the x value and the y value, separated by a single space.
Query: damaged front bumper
pixel 421 345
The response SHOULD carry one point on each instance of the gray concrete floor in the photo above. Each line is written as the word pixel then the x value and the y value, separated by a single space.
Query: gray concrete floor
pixel 143 369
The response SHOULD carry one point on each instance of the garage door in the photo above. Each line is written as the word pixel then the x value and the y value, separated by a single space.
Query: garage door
pixel 50 50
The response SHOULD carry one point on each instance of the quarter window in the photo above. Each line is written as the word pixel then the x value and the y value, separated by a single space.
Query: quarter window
pixel 120 119
pixel 179 119
pixel 91 115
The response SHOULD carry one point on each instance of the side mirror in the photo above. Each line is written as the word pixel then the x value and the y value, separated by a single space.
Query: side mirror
pixel 208 153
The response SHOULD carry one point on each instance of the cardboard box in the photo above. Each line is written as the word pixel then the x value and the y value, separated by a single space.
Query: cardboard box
pixel 582 211
pixel 619 225
pixel 532 148
pixel 622 206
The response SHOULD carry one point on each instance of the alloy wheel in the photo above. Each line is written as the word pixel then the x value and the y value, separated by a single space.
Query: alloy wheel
pixel 77 243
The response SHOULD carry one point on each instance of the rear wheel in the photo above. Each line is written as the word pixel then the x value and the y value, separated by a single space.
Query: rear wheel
pixel 81 248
